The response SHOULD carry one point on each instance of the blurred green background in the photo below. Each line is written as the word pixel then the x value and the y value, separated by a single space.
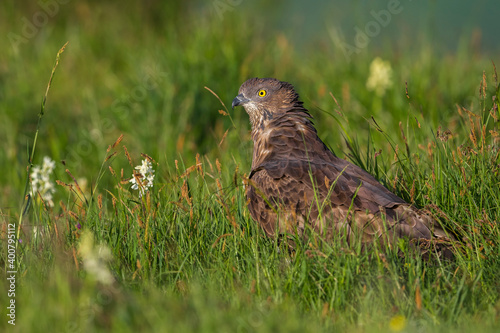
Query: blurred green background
pixel 140 68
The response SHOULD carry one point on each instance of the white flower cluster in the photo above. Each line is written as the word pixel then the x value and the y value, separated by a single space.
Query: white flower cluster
pixel 380 76
pixel 40 180
pixel 95 258
pixel 143 179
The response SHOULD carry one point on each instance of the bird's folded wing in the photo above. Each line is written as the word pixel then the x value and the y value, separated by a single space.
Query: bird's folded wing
pixel 326 181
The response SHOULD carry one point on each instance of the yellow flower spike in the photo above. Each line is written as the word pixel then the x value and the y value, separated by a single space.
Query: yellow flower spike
pixel 380 78
pixel 397 323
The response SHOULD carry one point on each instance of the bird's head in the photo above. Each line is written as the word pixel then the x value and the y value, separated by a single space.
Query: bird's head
pixel 265 99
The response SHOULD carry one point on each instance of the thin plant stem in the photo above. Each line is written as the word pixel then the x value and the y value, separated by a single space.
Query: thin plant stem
pixel 26 197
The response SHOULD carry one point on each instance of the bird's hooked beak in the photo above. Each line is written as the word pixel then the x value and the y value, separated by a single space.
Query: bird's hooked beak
pixel 239 100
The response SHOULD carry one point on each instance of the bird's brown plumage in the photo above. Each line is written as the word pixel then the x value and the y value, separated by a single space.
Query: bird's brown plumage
pixel 297 181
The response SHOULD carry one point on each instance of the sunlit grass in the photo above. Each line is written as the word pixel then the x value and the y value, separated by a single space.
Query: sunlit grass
pixel 185 254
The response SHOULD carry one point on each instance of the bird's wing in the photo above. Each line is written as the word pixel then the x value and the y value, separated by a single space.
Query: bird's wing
pixel 367 179
pixel 300 191
pixel 295 149
pixel 319 177
pixel 285 195
pixel 278 204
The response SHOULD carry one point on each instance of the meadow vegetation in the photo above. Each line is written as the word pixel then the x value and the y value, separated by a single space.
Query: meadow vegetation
pixel 186 255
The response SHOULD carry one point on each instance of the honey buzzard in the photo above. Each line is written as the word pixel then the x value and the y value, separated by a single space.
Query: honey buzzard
pixel 296 181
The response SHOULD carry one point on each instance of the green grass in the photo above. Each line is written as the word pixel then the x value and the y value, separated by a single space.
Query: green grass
pixel 187 256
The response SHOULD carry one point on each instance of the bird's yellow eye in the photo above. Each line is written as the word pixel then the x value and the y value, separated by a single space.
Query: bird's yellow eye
pixel 262 93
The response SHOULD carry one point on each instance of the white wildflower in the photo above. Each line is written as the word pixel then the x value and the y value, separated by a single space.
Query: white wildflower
pixel 380 76
pixel 142 179
pixel 40 180
pixel 95 258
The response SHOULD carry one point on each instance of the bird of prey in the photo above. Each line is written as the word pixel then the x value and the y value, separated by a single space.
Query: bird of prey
pixel 296 182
